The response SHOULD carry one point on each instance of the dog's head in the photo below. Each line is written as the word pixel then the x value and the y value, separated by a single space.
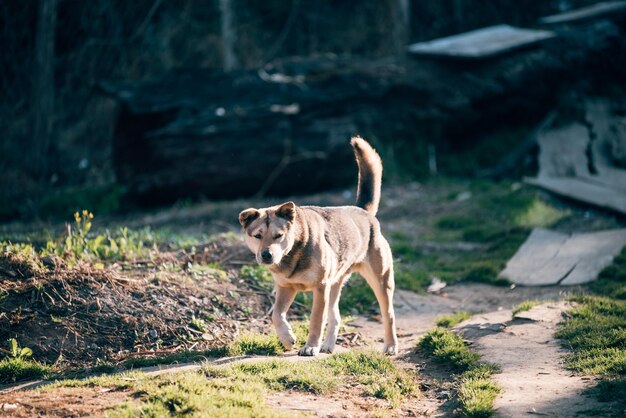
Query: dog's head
pixel 269 232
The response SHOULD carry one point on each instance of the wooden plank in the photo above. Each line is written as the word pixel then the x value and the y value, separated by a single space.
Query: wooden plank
pixel 583 190
pixel 594 252
pixel 539 249
pixel 550 258
pixel 586 13
pixel 481 43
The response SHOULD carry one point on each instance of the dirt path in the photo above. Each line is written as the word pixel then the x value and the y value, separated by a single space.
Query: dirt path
pixel 416 313
pixel 533 379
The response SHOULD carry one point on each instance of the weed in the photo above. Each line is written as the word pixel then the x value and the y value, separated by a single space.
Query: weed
pixel 524 306
pixel 18 365
pixel 448 321
pixel 16 351
pixel 79 244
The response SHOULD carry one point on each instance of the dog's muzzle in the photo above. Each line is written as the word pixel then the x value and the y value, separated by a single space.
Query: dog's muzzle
pixel 266 257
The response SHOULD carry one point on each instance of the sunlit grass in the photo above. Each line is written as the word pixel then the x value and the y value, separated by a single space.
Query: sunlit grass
pixel 476 391
pixel 240 389
pixel 524 306
pixel 448 321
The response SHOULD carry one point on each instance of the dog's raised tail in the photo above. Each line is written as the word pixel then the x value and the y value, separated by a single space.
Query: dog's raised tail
pixel 370 175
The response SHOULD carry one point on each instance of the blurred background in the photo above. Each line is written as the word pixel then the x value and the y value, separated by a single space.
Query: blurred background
pixel 118 105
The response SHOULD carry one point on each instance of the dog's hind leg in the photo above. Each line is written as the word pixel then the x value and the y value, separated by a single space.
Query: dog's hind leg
pixel 382 283
pixel 334 317
pixel 318 319
pixel 284 299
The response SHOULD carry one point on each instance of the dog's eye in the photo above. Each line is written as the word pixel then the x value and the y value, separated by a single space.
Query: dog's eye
pixel 279 236
pixel 258 236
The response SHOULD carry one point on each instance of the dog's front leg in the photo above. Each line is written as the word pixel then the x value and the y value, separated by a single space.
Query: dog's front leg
pixel 318 319
pixel 284 298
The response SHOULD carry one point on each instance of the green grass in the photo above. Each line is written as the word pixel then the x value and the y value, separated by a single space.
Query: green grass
pixel 596 332
pixel 496 220
pixel 357 297
pixel 526 305
pixel 249 343
pixel 448 348
pixel 612 280
pixel 448 321
pixel 476 391
pixel 13 369
pixel 239 389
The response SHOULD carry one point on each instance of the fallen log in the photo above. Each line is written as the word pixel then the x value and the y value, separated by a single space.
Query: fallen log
pixel 284 129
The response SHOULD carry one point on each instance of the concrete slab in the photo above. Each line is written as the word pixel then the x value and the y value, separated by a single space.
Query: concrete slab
pixel 549 257
pixel 481 43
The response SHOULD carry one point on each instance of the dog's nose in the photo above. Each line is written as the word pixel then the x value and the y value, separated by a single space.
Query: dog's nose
pixel 266 256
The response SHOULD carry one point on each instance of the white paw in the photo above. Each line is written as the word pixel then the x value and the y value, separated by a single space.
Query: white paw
pixel 287 339
pixel 308 351
pixel 327 347
pixel 390 349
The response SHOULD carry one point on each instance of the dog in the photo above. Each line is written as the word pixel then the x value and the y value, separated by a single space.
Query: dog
pixel 316 249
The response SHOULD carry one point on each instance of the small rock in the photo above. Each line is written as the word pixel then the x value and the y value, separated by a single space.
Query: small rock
pixel 9 406
pixel 153 334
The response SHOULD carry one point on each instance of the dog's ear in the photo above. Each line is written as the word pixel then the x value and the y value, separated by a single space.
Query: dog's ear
pixel 247 216
pixel 287 211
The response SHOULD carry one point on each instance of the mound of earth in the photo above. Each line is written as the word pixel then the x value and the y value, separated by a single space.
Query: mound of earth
pixel 83 313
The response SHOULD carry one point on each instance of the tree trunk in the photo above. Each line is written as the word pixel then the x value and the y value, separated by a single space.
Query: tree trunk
pixel 229 35
pixel 401 25
pixel 43 86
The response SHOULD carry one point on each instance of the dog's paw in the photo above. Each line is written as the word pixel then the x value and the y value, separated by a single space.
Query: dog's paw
pixel 327 348
pixel 288 340
pixel 390 349
pixel 308 351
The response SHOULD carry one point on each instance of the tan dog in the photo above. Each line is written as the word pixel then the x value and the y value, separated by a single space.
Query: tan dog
pixel 311 248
